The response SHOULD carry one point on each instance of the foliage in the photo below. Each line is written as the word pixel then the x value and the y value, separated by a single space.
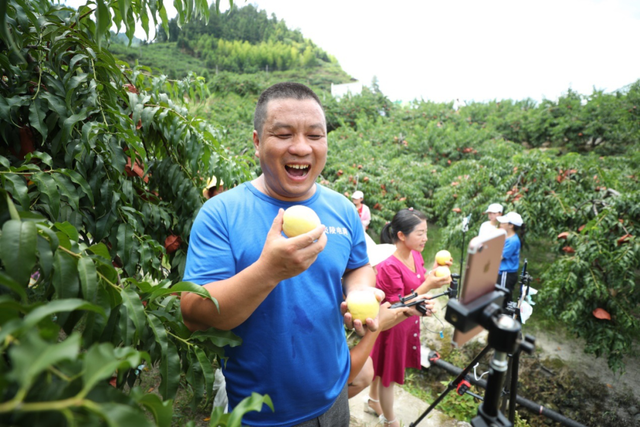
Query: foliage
pixel 451 164
pixel 462 407
pixel 241 40
pixel 102 169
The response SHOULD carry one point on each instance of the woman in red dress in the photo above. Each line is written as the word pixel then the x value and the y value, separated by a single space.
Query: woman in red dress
pixel 399 275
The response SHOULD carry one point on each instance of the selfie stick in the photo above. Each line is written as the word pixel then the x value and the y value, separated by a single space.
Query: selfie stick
pixel 465 228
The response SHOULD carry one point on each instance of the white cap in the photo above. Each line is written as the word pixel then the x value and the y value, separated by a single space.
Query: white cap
pixel 494 207
pixel 357 195
pixel 511 218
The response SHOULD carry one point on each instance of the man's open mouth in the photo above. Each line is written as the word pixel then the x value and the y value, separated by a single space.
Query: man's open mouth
pixel 297 170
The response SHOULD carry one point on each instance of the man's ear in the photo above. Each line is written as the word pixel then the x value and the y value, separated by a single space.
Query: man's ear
pixel 256 143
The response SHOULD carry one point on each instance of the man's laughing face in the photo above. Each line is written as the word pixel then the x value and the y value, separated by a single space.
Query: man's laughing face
pixel 292 148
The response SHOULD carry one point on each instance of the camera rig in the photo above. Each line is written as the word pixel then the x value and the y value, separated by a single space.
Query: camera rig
pixel 412 299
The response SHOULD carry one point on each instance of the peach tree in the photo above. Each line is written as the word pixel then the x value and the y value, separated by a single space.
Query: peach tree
pixel 588 206
pixel 102 170
pixel 451 164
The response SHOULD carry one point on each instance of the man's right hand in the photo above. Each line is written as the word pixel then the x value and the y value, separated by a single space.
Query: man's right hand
pixel 283 258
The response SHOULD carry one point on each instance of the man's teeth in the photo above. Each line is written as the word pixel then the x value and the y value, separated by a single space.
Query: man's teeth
pixel 298 166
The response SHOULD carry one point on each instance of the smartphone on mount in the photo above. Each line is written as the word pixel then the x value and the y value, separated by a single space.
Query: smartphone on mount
pixel 484 255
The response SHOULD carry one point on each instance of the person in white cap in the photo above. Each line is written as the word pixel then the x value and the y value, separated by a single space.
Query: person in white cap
pixel 512 223
pixel 493 212
pixel 363 210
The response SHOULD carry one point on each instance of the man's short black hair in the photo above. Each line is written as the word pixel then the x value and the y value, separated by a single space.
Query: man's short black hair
pixel 284 90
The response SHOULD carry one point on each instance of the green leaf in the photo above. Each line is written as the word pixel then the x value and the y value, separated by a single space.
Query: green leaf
pixel 57 306
pixel 248 404
pixel 65 275
pixel 18 250
pixel 126 326
pixel 169 362
pixel 135 308
pixel 126 246
pixel 183 287
pixel 78 179
pixel 7 208
pixel 44 157
pixel 162 411
pixel 101 250
pixel 103 20
pixel 217 337
pixel 20 189
pixel 36 118
pixel 49 188
pixel 13 285
pixel 45 253
pixel 207 369
pixel 33 355
pixel 68 229
pixel 5 34
pixel 121 415
pixel 69 123
pixel 102 360
pixel 88 279
pixel 56 103
pixel 67 189
pixel 196 380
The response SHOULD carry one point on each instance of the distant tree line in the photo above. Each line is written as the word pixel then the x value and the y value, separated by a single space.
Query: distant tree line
pixel 244 40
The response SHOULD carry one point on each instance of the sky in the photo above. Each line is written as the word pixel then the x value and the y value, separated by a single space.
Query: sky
pixel 475 50
pixel 472 50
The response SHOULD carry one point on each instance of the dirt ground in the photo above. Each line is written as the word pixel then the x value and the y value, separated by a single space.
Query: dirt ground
pixel 561 377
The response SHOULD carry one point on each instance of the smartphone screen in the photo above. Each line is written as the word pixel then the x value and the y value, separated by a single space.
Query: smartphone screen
pixel 480 275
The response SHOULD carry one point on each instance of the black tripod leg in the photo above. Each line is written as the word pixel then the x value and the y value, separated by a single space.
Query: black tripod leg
pixel 507 382
pixel 453 384
pixel 513 392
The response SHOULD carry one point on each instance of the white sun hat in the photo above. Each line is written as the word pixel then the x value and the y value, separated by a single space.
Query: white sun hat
pixel 511 218
pixel 494 208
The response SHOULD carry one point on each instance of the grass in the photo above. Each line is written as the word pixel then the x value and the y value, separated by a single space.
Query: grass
pixel 183 411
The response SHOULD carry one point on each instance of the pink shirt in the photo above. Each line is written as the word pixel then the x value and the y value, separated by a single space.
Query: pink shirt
pixel 365 215
pixel 399 347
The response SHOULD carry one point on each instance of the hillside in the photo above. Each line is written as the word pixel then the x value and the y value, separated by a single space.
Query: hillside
pixel 242 41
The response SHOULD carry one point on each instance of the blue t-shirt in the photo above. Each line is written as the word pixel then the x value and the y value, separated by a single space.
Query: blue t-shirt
pixel 293 345
pixel 510 255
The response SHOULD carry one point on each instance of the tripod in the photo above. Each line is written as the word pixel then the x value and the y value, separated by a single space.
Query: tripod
pixel 511 382
pixel 460 384
pixel 504 338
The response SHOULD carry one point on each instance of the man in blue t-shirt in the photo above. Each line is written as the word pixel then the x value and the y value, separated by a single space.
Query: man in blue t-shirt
pixel 282 296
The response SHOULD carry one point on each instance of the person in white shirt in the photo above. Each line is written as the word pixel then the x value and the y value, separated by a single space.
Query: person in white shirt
pixel 493 212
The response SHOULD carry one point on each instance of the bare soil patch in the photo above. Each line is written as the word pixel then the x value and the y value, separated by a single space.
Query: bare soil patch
pixel 559 376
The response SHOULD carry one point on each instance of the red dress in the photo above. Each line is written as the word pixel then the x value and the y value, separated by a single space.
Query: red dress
pixel 399 347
